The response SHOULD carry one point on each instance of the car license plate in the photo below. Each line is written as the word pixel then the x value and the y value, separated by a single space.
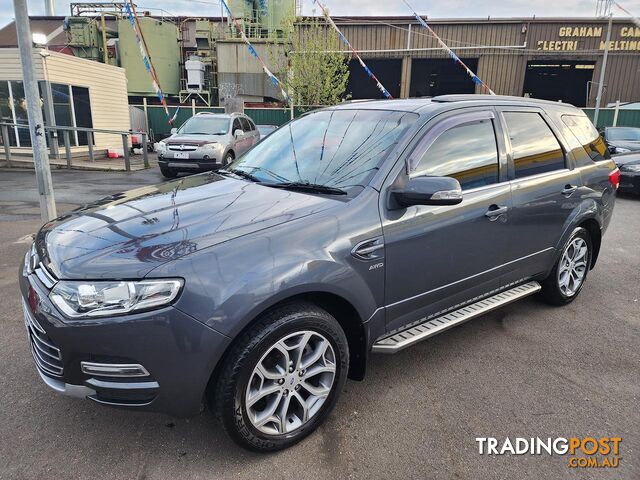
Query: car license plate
pixel 184 155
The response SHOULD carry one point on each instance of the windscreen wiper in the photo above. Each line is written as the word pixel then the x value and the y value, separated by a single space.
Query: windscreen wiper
pixel 308 187
pixel 239 173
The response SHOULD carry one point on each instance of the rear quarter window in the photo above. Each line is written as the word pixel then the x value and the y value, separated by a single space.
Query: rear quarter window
pixel 587 135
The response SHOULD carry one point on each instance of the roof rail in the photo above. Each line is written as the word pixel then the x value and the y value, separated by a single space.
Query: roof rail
pixel 474 97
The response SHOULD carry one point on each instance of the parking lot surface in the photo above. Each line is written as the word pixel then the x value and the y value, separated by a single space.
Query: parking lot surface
pixel 527 370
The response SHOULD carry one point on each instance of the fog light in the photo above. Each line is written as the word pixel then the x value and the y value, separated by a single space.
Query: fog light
pixel 114 369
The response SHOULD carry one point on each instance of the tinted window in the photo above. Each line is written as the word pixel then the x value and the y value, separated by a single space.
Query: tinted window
pixel 236 125
pixel 587 135
pixel 246 126
pixel 252 125
pixel 467 153
pixel 534 146
pixel 337 148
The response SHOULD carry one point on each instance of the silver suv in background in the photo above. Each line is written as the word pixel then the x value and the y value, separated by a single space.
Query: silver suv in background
pixel 206 141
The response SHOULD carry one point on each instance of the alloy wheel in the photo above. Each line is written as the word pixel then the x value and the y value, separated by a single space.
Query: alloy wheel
pixel 573 266
pixel 290 383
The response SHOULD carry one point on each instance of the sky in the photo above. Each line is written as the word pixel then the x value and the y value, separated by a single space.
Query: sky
pixel 442 9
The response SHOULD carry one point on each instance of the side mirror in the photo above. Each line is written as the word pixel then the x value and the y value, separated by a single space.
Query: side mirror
pixel 238 133
pixel 174 131
pixel 428 191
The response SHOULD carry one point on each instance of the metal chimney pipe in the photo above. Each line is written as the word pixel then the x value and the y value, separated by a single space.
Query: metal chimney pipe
pixel 48 8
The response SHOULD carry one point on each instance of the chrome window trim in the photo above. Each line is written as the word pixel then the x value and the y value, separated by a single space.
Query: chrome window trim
pixel 541 175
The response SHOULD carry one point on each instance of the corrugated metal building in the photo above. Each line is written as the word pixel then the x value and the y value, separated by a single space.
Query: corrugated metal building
pixel 555 59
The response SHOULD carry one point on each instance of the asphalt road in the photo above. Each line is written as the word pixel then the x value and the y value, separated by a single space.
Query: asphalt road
pixel 527 370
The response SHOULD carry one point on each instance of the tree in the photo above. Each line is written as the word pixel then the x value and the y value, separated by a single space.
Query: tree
pixel 318 68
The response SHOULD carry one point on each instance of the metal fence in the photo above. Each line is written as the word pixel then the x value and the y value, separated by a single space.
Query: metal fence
pixel 607 117
pixel 159 128
pixel 54 132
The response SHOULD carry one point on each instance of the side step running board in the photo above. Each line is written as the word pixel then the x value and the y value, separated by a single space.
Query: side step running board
pixel 431 327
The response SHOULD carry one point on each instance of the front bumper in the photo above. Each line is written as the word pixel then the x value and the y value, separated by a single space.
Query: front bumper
pixel 196 161
pixel 179 353
pixel 629 182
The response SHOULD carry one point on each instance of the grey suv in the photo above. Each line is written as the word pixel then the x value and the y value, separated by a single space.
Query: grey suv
pixel 206 141
pixel 365 227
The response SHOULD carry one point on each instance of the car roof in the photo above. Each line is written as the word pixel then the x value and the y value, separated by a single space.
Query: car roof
pixel 426 104
pixel 213 114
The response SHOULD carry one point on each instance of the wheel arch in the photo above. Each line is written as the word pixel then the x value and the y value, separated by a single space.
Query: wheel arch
pixel 592 226
pixel 339 307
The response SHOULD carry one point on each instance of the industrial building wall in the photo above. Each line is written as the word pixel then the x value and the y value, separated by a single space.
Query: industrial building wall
pixel 11 68
pixel 107 90
pixel 236 66
pixel 507 46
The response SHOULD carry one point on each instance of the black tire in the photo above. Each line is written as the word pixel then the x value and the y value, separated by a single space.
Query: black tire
pixel 228 158
pixel 551 291
pixel 168 172
pixel 227 396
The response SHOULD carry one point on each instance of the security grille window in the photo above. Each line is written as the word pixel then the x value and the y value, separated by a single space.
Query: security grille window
pixel 535 148
pixel 468 153
pixel 71 107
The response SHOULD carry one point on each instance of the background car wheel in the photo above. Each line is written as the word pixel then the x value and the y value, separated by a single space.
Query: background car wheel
pixel 281 378
pixel 570 271
pixel 228 158
pixel 168 172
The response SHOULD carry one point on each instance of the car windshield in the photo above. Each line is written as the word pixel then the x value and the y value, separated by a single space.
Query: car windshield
pixel 341 149
pixel 205 125
pixel 622 134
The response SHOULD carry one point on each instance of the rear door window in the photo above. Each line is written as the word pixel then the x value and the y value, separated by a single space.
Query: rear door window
pixel 246 126
pixel 535 149
pixel 236 125
pixel 467 152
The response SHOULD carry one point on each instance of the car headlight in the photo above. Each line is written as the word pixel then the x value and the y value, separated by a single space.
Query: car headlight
pixel 622 150
pixel 210 147
pixel 631 168
pixel 161 147
pixel 77 299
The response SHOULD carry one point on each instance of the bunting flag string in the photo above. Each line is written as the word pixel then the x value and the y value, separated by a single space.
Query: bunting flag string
pixel 274 80
pixel 354 52
pixel 450 52
pixel 634 19
pixel 263 7
pixel 132 15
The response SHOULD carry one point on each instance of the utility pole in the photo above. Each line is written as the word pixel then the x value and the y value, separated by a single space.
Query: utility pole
pixel 36 124
pixel 602 72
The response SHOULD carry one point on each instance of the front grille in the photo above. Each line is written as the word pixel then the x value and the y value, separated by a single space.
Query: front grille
pixel 183 147
pixel 46 355
pixel 34 265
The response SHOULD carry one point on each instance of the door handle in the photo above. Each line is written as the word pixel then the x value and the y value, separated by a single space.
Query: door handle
pixel 495 211
pixel 568 190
